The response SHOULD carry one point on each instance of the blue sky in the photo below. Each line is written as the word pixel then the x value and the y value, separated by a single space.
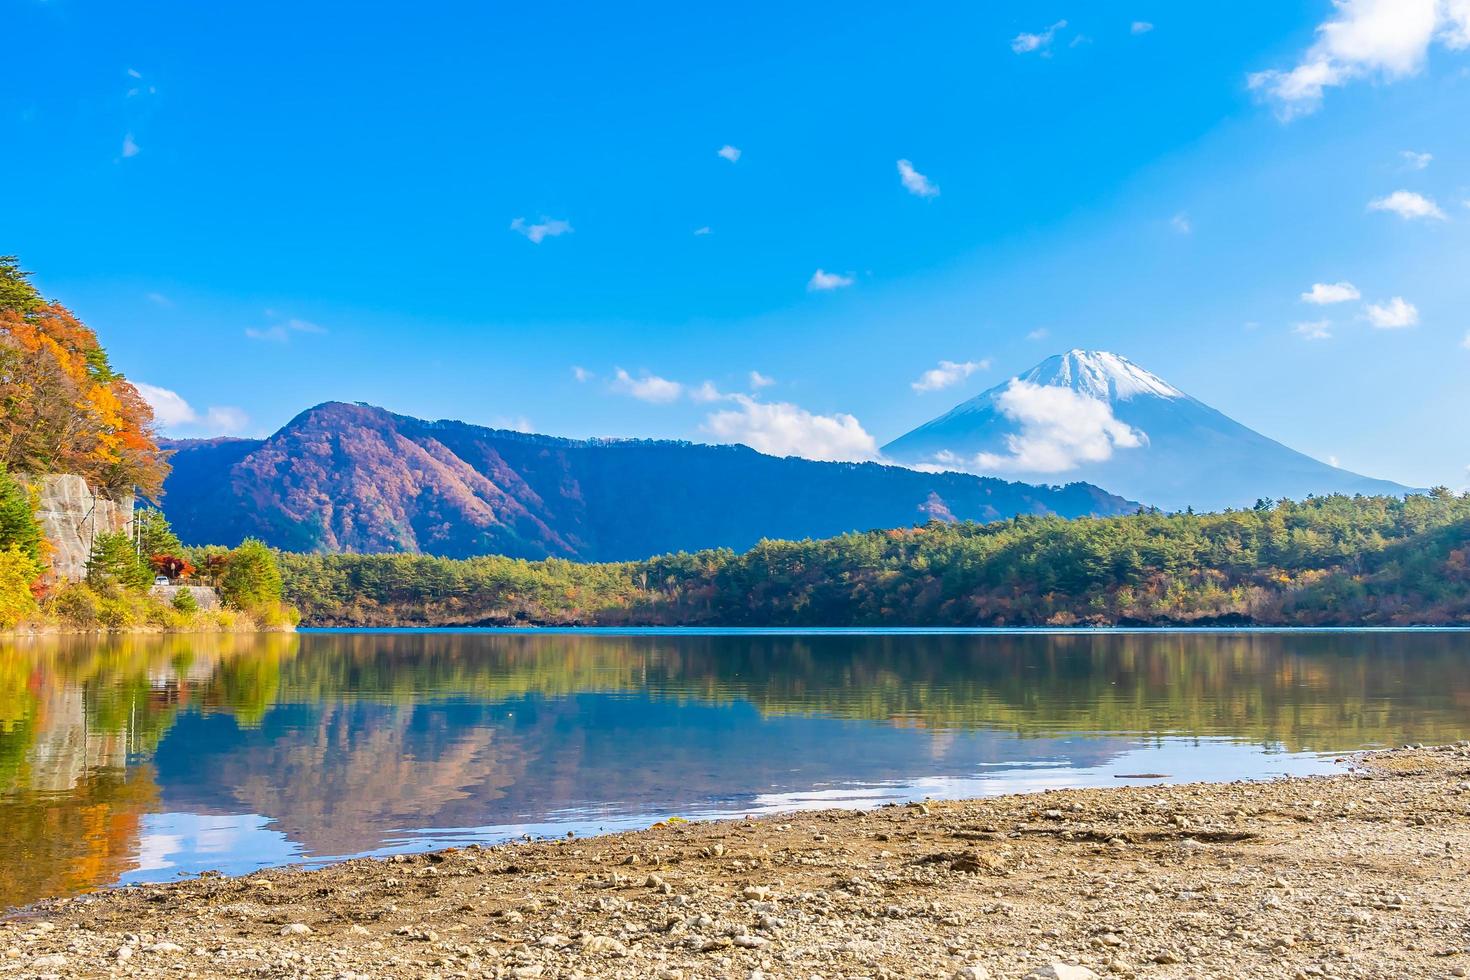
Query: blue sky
pixel 456 210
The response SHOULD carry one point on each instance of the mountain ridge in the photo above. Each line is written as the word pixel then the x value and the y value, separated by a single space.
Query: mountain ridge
pixel 357 478
pixel 1154 443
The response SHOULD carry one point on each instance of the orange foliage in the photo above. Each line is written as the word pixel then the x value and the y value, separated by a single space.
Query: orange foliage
pixel 66 411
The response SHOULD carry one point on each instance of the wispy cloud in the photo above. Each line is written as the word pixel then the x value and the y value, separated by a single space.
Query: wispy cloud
pixel 158 299
pixel 783 429
pixel 646 387
pixel 1466 342
pixel 823 281
pixel 702 230
pixel 1416 161
pixel 1396 314
pixel 1314 330
pixel 728 152
pixel 948 373
pixel 1141 27
pixel 541 230
pixel 281 333
pixel 706 393
pixel 1040 333
pixel 1408 205
pixel 129 147
pixel 914 182
pixel 1324 293
pixel 1025 43
pixel 1180 223
pixel 1382 39
pixel 173 412
pixel 581 373
pixel 758 380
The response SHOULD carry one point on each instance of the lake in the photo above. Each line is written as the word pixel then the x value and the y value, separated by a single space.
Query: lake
pixel 145 758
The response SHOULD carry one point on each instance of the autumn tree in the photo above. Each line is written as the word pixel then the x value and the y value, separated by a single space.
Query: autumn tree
pixel 63 409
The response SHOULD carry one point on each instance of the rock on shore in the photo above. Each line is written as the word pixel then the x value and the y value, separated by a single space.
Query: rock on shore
pixel 1357 875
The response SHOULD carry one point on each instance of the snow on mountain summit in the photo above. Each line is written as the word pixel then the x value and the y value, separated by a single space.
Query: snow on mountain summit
pixel 1100 374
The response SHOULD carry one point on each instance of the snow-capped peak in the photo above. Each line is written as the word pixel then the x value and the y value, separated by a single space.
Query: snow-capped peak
pixel 1100 374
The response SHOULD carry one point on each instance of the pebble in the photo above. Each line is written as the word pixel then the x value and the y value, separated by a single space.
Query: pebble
pixel 1062 971
pixel 296 929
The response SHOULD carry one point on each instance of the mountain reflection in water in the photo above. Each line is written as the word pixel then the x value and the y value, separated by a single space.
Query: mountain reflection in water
pixel 139 758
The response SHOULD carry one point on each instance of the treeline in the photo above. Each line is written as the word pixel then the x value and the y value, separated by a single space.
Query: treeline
pixel 1332 560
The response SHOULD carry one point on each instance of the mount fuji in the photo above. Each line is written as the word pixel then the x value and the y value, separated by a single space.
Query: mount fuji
pixel 1098 417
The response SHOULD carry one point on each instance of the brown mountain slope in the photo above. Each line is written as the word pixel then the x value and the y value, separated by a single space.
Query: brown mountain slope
pixel 344 477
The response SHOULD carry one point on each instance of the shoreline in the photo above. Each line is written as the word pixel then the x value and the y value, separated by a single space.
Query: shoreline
pixel 1354 874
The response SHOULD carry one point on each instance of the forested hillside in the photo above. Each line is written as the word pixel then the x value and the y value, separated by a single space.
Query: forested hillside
pixel 355 478
pixel 1324 561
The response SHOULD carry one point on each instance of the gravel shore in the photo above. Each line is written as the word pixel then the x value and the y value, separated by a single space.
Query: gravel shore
pixel 1363 874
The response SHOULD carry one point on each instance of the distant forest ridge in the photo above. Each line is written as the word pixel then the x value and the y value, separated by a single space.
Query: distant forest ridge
pixel 1324 561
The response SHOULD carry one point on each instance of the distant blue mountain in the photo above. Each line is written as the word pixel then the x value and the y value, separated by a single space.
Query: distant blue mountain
pixel 1123 429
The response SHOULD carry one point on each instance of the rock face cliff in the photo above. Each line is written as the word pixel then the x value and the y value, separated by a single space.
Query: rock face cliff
pixel 71 514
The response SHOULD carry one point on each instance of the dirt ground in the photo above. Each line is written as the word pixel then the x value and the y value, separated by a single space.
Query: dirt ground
pixel 1363 874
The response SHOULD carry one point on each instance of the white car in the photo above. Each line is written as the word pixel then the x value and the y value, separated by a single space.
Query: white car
pixel 161 580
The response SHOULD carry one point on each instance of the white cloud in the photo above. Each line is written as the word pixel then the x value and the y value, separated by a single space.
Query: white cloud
pixel 707 392
pixel 1385 39
pixel 702 230
pixel 172 411
pixel 915 182
pixel 129 147
pixel 1060 429
pixel 728 152
pixel 1407 205
pixel 581 373
pixel 647 388
pixel 758 380
pixel 1314 330
pixel 947 373
pixel 1416 161
pixel 541 230
pixel 158 299
pixel 1323 293
pixel 1180 223
pixel 1466 342
pixel 1141 27
pixel 280 333
pixel 822 281
pixel 782 429
pixel 134 73
pixel 1040 333
pixel 1025 43
pixel 1396 314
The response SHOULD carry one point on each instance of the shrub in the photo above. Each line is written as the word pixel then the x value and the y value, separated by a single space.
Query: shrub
pixel 17 571
pixel 118 611
pixel 185 602
pixel 75 604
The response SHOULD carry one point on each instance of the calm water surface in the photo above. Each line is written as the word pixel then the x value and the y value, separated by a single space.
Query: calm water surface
pixel 147 758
